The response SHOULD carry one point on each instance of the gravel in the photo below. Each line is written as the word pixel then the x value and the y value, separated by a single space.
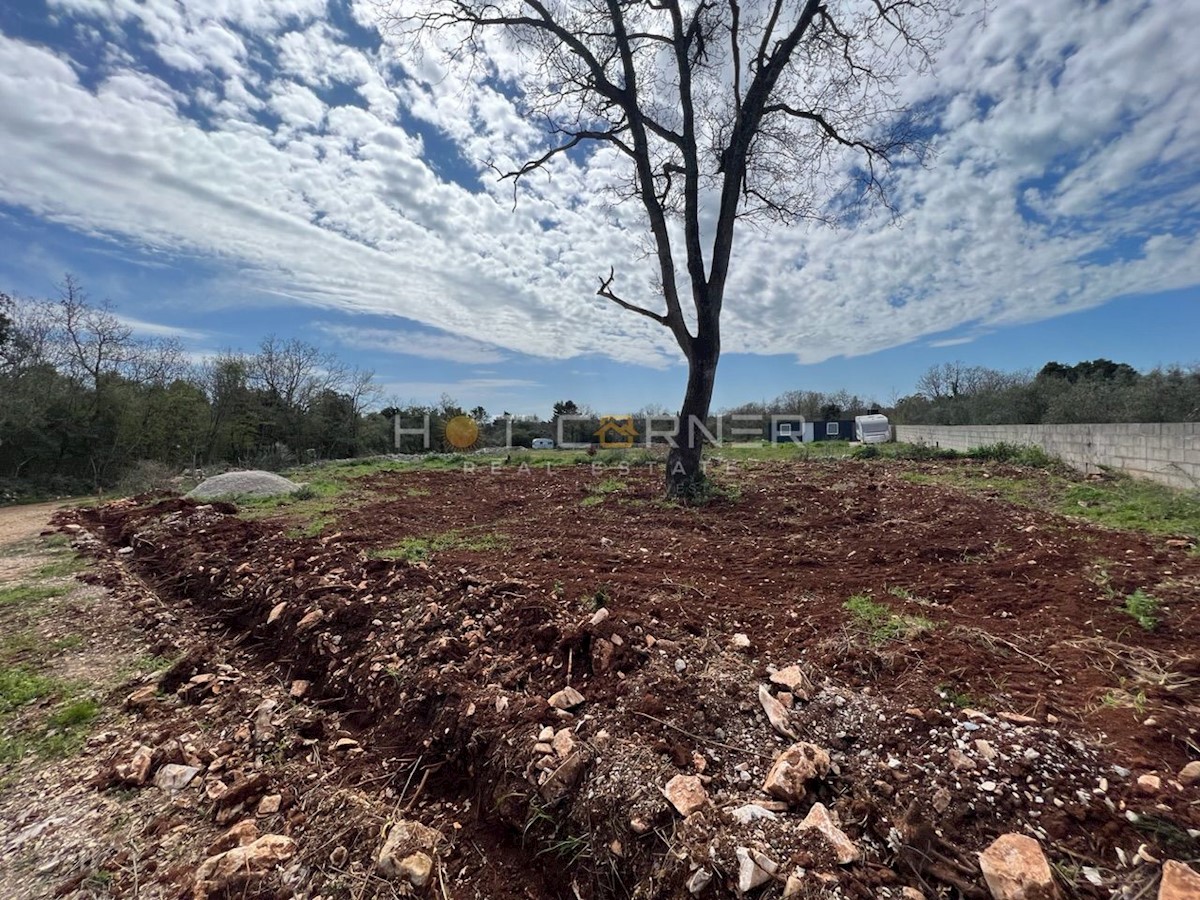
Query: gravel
pixel 252 483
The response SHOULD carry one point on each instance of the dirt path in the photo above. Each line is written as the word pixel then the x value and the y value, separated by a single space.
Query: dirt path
pixel 19 528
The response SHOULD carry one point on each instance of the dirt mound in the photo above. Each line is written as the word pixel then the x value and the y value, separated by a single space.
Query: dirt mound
pixel 251 483
pixel 439 682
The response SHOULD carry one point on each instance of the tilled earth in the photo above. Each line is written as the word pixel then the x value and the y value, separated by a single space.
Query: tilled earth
pixel 1003 690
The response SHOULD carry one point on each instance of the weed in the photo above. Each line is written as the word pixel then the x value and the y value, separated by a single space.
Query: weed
pixel 415 549
pixel 19 686
pixel 1124 502
pixel 22 594
pixel 608 486
pixel 881 623
pixel 74 714
pixel 600 597
pixel 1143 609
pixel 955 697
pixel 1019 454
pixel 592 500
pixel 62 567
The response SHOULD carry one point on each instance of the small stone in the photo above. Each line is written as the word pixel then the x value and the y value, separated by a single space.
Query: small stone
pixel 1179 882
pixel 793 769
pixel 698 881
pixel 269 805
pixel 793 680
pixel 752 812
pixel 546 735
pixel 942 799
pixel 740 641
pixel 299 688
pixel 345 745
pixel 680 665
pixel 602 655
pixel 985 749
pixel 686 793
pixel 793 887
pixel 598 616
pixel 1015 868
pixel 987 786
pixel 565 777
pixel 960 761
pixel 239 835
pixel 786 699
pixel 1016 718
pixel 405 839
pixel 911 893
pixel 754 869
pixel 776 713
pixel 563 743
pixel 1190 774
pixel 310 619
pixel 241 864
pixel 339 856
pixel 263 730
pixel 416 869
pixel 567 698
pixel 173 778
pixel 276 611
pixel 819 818
pixel 1149 784
pixel 137 769
pixel 143 696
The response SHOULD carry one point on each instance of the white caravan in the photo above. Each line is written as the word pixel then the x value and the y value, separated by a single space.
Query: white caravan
pixel 873 429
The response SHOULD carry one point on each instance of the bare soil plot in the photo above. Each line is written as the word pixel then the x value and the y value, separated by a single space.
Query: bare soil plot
pixel 432 613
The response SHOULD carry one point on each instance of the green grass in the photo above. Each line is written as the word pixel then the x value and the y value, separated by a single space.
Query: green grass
pixel 592 500
pixel 415 549
pixel 26 594
pixel 20 686
pixel 955 697
pixel 1143 609
pixel 62 567
pixel 880 623
pixel 1137 505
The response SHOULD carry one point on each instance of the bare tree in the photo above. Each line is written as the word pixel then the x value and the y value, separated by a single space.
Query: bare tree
pixel 722 110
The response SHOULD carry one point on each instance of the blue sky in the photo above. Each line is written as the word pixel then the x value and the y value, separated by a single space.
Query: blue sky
pixel 222 171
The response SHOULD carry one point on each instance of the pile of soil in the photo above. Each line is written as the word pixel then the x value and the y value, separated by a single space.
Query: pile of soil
pixel 1021 699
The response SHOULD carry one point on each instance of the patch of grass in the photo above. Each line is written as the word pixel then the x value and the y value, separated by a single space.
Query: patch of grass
pixel 1137 505
pixel 415 549
pixel 1143 609
pixel 608 486
pixel 1018 454
pixel 26 594
pixel 955 697
pixel 20 686
pixel 309 529
pixel 592 500
pixel 73 714
pixel 62 567
pixel 880 623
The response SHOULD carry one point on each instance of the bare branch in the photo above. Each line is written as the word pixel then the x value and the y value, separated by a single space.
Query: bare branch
pixel 606 292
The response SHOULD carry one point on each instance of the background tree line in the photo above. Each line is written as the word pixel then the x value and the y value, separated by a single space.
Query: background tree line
pixel 1096 391
pixel 85 404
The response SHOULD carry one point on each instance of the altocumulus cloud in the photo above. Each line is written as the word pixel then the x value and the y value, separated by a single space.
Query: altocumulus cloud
pixel 336 172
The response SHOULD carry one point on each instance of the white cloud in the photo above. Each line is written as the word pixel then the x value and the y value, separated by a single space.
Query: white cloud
pixel 405 342
pixel 157 329
pixel 1067 135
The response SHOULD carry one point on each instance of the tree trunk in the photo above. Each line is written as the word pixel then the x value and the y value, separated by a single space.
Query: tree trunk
pixel 685 471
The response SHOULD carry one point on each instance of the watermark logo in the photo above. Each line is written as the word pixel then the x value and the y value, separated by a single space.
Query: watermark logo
pixel 462 432
pixel 615 432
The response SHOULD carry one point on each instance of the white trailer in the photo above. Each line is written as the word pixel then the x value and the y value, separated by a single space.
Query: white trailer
pixel 873 429
pixel 543 444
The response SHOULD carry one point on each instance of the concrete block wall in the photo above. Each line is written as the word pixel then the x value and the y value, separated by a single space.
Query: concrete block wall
pixel 1166 452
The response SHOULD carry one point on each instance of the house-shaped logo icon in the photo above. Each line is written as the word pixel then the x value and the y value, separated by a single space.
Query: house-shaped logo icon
pixel 616 432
